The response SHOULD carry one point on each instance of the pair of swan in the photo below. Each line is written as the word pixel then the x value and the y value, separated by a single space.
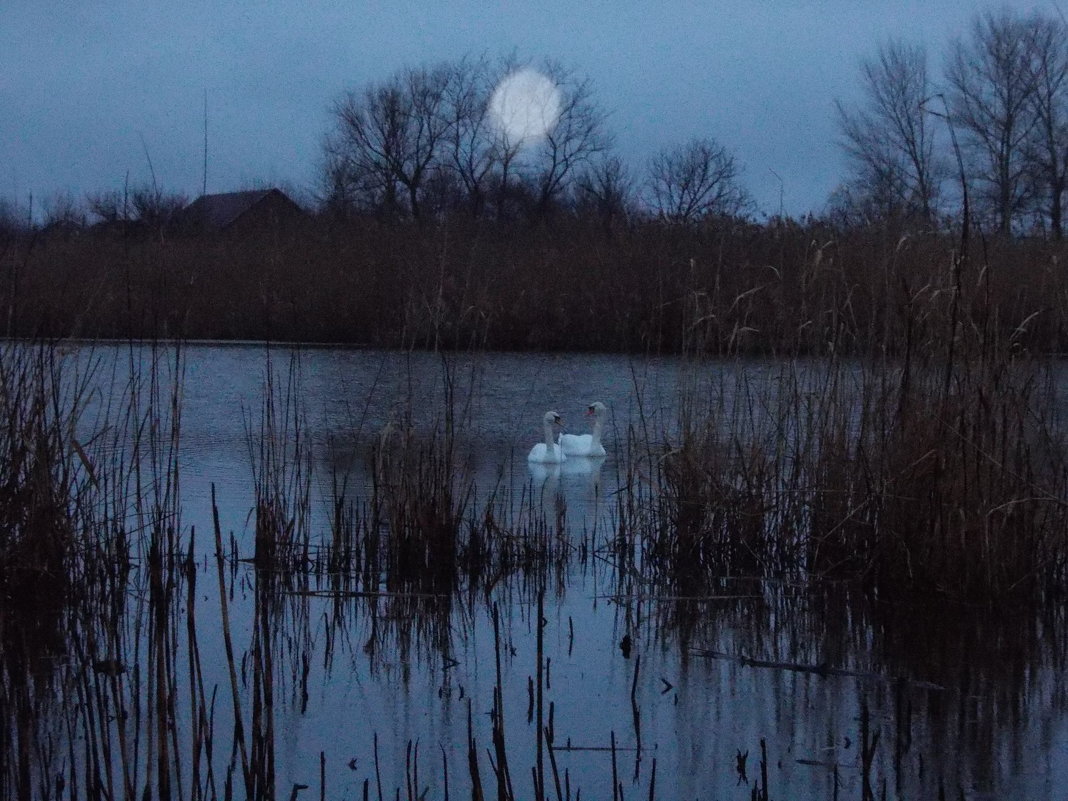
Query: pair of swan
pixel 556 451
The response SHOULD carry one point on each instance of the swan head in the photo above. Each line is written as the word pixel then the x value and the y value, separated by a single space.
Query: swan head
pixel 596 409
pixel 552 418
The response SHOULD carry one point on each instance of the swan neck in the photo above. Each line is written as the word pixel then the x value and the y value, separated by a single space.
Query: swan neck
pixel 595 440
pixel 549 437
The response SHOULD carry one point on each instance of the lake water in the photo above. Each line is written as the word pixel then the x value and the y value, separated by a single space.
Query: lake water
pixel 967 700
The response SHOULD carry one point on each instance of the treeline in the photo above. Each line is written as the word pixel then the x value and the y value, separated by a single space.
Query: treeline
pixel 994 126
pixel 424 142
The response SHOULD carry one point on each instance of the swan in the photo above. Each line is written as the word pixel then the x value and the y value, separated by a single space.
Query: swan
pixel 587 444
pixel 548 452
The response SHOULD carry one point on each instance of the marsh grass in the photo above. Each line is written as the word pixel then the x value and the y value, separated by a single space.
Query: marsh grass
pixel 938 469
pixel 421 498
pixel 819 478
pixel 279 456
pixel 91 500
pixel 921 458
pixel 427 534
pixel 41 479
pixel 39 484
pixel 726 287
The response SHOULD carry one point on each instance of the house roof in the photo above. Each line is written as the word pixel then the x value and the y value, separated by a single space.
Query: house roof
pixel 220 211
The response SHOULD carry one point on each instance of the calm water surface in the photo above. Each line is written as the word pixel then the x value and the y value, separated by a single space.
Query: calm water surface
pixel 962 700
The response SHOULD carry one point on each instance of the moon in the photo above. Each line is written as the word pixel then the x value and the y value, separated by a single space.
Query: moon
pixel 524 106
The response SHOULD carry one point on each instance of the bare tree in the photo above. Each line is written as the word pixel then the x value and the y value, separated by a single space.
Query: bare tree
pixel 471 142
pixel 513 178
pixel 992 85
pixel 578 135
pixel 15 221
pixel 427 133
pixel 866 200
pixel 693 181
pixel 427 128
pixel 890 140
pixel 608 187
pixel 1047 150
pixel 349 184
pixel 388 137
pixel 62 210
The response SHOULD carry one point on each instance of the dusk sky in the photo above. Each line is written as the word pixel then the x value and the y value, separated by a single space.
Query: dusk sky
pixel 87 87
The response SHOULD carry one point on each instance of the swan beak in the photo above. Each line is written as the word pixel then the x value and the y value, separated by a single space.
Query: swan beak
pixel 590 412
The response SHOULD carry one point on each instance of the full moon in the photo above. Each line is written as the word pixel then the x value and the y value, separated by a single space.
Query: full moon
pixel 525 106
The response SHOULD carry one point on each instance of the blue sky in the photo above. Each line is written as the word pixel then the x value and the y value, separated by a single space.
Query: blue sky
pixel 86 88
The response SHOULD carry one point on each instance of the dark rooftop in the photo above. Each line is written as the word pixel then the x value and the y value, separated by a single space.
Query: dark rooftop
pixel 221 211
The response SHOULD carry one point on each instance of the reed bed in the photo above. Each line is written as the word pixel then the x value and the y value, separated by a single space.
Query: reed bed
pixel 94 565
pixel 749 489
pixel 783 288
pixel 937 467
pixel 874 474
pixel 38 553
pixel 920 457
pixel 907 488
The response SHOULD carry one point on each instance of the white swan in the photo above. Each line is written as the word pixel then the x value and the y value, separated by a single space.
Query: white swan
pixel 548 452
pixel 587 444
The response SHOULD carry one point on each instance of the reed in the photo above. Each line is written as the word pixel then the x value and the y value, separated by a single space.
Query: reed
pixel 40 480
pixel 938 469
pixel 94 565
pixel 784 288
pixel 920 459
pixel 279 458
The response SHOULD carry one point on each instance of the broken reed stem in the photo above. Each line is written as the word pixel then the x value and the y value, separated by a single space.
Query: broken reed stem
pixel 634 681
pixel 763 769
pixel 504 778
pixel 552 759
pixel 445 771
pixel 868 744
pixel 408 770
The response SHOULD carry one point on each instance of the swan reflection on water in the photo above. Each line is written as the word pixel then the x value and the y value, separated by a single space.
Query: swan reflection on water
pixel 577 480
pixel 575 466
